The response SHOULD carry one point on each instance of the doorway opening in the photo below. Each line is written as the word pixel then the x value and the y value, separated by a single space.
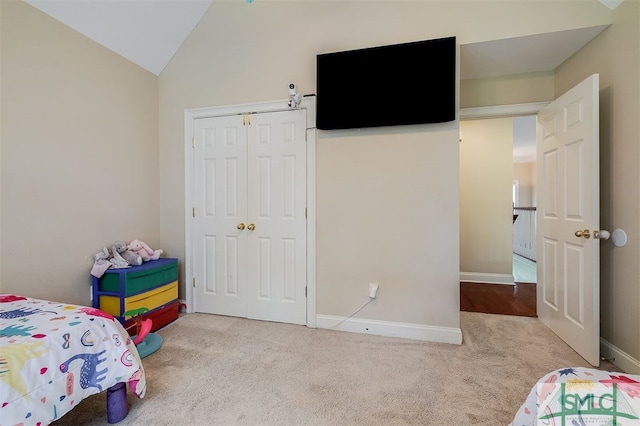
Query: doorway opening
pixel 519 188
pixel 524 199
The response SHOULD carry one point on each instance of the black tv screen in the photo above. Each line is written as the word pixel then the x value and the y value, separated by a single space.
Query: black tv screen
pixel 400 84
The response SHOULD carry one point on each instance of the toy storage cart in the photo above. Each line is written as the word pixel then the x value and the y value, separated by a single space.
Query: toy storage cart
pixel 152 285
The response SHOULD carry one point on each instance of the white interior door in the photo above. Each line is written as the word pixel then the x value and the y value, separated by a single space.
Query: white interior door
pixel 249 224
pixel 276 215
pixel 568 213
pixel 220 209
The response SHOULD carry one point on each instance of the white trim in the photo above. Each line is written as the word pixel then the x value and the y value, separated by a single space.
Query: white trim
pixel 308 104
pixel 501 110
pixel 189 119
pixel 482 277
pixel 524 260
pixel 428 333
pixel 311 220
pixel 619 358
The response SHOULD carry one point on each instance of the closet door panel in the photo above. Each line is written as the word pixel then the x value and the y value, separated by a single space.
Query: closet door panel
pixel 276 206
pixel 220 205
pixel 249 232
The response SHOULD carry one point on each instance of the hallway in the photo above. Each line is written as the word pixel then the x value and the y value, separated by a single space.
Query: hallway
pixel 518 299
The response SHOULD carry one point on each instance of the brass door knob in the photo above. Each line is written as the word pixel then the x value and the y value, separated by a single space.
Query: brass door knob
pixel 251 227
pixel 584 233
pixel 240 226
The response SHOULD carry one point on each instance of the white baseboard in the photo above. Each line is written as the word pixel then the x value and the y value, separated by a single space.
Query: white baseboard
pixel 620 358
pixel 427 333
pixel 481 277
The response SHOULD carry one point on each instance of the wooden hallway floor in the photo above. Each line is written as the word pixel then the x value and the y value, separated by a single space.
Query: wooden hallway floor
pixel 519 299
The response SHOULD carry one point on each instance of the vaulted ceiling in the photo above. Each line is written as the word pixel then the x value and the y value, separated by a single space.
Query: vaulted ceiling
pixel 149 33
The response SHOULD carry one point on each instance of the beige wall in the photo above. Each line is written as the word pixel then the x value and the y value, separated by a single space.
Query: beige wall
pixel 388 213
pixel 79 144
pixel 81 164
pixel 507 90
pixel 241 53
pixel 615 55
pixel 486 230
pixel 526 174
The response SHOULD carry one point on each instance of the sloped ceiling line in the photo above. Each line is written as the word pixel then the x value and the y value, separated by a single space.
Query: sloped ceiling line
pixel 149 33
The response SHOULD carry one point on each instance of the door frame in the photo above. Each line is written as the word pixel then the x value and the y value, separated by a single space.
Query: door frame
pixel 501 111
pixel 308 104
pixel 511 110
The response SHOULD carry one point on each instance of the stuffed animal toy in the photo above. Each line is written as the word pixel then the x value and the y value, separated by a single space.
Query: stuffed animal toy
pixel 132 258
pixel 100 263
pixel 116 260
pixel 146 252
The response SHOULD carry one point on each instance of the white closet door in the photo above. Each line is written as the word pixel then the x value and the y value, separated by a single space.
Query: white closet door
pixel 249 226
pixel 220 203
pixel 276 207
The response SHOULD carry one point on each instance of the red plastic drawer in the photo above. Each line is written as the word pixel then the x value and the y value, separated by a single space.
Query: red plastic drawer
pixel 160 317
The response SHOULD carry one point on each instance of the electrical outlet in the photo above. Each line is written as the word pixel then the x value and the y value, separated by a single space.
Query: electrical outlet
pixel 373 290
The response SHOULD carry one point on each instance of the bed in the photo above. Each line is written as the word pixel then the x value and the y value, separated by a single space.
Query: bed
pixel 53 355
pixel 582 396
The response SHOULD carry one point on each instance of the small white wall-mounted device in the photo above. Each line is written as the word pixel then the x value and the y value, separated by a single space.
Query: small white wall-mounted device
pixel 373 290
pixel 294 96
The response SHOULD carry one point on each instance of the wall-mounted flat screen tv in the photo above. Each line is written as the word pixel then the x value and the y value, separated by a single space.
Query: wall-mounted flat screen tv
pixel 400 84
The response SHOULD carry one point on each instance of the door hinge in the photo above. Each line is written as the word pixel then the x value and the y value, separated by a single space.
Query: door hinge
pixel 194 282
pixel 193 211
pixel 193 142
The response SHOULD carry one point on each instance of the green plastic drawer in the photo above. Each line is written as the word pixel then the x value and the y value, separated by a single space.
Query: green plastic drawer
pixel 141 278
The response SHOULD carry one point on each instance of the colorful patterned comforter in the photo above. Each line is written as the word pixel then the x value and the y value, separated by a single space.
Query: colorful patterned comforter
pixel 582 396
pixel 53 355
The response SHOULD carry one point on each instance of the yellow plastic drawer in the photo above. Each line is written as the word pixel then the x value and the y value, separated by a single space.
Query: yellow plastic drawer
pixel 150 299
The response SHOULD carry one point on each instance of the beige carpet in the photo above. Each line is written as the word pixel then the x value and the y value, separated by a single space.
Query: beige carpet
pixel 214 370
